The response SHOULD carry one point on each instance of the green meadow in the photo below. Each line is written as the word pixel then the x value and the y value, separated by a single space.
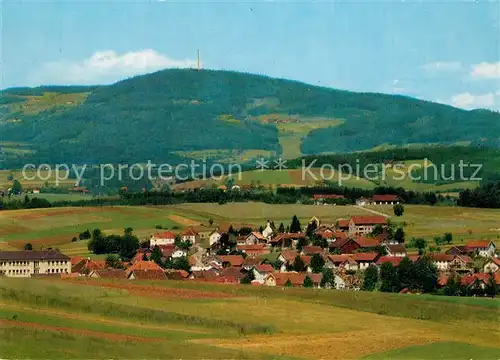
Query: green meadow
pixel 99 319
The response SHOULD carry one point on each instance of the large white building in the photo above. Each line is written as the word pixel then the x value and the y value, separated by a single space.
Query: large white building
pixel 164 238
pixel 31 262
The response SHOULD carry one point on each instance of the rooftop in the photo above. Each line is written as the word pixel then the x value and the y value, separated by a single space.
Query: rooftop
pixel 33 255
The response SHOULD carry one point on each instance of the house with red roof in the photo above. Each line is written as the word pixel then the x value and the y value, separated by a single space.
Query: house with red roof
pixel 320 199
pixel 296 279
pixel 231 272
pixel 162 238
pixel 143 265
pixel 286 240
pixel 485 248
pixel 362 225
pixel 86 266
pixel 261 271
pixel 203 275
pixel 230 260
pixel 176 274
pixel 108 274
pixel 255 237
pixel 352 245
pixel 343 224
pixel 457 250
pixel 336 260
pixel 391 259
pixel 311 250
pixel 189 235
pixel 442 261
pixel 365 259
pixel 253 250
pixel 288 256
pixel 385 199
pixel 250 262
pixel 397 250
pixel 147 274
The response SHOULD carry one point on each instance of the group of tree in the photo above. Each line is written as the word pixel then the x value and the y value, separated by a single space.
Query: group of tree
pixel 125 245
pixel 455 287
pixel 179 263
pixel 420 276
pixel 485 196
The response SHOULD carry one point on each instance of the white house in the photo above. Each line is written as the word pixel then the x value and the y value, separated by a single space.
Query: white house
pixel 179 253
pixel 442 261
pixel 189 235
pixel 214 237
pixel 164 238
pixel 362 225
pixel 395 250
pixel 268 231
pixel 261 271
pixel 255 238
pixel 483 248
pixel 339 283
pixel 362 201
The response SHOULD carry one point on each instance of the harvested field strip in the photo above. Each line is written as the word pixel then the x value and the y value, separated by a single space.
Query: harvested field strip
pixel 81 332
pixel 184 221
pixel 97 319
pixel 348 345
pixel 151 290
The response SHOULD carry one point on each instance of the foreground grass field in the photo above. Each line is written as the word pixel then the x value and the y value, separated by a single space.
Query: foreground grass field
pixel 57 226
pixel 102 319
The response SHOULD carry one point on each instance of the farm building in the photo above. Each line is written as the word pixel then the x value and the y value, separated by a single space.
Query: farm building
pixel 385 199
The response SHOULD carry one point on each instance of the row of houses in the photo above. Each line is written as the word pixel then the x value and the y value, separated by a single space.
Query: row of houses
pixel 320 199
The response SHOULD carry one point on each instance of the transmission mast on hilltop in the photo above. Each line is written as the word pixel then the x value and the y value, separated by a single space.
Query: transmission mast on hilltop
pixel 198 67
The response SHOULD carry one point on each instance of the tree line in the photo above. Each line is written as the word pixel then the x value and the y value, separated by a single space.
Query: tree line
pixel 485 196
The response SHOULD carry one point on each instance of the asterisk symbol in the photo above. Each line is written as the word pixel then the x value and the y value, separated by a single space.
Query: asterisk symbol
pixel 262 164
pixel 280 164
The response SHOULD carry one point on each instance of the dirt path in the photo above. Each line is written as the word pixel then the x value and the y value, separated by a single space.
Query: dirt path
pixel 372 211
pixel 81 332
pixel 183 220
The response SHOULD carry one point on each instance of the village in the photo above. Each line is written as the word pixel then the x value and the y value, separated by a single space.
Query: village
pixel 336 255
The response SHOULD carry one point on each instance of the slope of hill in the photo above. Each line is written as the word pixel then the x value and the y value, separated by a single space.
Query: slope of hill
pixel 167 115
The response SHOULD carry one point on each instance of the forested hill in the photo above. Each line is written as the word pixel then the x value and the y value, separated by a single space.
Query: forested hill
pixel 171 114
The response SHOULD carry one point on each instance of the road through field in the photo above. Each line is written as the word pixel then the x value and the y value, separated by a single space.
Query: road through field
pixel 373 211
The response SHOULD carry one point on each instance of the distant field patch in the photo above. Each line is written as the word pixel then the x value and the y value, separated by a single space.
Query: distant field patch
pixel 226 156
pixel 33 105
pixel 33 179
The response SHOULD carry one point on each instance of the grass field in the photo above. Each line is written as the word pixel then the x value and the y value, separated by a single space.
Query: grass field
pixel 227 156
pixel 383 176
pixel 463 223
pixel 102 319
pixel 57 226
pixel 275 178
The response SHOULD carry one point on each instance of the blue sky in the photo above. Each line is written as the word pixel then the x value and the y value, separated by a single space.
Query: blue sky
pixel 440 51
